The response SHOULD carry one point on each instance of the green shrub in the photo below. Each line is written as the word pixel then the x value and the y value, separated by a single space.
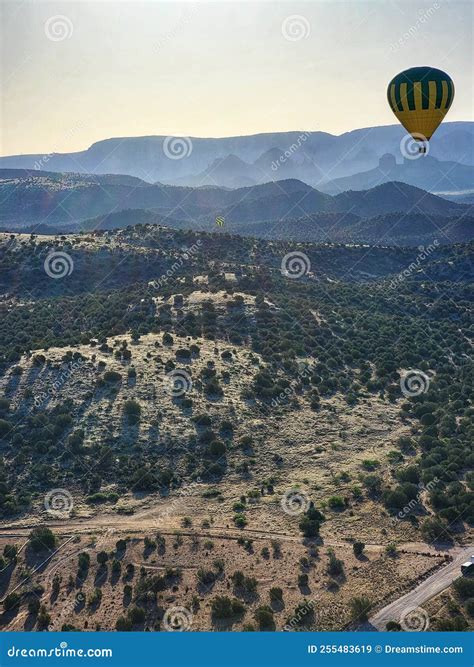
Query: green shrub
pixel 464 587
pixel 335 565
pixel 42 538
pixel 11 601
pixel 358 548
pixel 360 607
pixel 469 606
pixel 136 615
pixel 240 520
pixel 10 551
pixel 83 561
pixel 102 557
pixel 276 594
pixel 112 377
pixel 264 617
pixel 302 580
pixel 225 607
pixel 393 626
pixel 123 624
pixel 132 411
pixel 336 503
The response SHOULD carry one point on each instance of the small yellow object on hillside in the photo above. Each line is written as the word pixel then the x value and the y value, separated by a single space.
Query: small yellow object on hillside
pixel 220 222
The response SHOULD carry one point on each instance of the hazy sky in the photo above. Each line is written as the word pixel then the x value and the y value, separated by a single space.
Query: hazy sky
pixel 77 72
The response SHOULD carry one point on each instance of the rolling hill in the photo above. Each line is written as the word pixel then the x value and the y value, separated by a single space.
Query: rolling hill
pixel 69 202
pixel 163 398
pixel 428 174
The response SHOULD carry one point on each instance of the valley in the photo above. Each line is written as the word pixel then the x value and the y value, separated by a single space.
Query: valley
pixel 221 442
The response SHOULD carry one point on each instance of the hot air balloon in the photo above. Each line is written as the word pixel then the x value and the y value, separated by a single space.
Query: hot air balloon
pixel 220 222
pixel 420 98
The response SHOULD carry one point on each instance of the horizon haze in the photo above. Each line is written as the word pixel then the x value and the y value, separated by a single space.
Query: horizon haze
pixel 74 73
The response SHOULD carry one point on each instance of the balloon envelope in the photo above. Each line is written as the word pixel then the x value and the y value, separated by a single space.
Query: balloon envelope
pixel 420 98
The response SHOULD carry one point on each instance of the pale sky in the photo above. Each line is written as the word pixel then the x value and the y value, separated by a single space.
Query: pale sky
pixel 109 68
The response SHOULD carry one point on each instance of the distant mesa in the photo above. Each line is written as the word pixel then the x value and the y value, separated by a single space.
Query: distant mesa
pixel 387 162
pixel 313 157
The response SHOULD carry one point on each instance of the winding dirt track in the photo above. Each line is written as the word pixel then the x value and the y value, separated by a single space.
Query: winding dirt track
pixel 144 521
pixel 425 591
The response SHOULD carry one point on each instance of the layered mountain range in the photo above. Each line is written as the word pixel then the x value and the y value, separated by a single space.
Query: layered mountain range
pixel 390 213
pixel 317 158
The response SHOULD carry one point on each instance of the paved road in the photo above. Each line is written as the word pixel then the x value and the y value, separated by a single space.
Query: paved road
pixel 425 591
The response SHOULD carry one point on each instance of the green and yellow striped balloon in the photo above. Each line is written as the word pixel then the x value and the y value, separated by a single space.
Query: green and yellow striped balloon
pixel 220 221
pixel 420 98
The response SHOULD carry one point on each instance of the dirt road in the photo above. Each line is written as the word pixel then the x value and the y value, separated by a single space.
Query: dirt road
pixel 426 590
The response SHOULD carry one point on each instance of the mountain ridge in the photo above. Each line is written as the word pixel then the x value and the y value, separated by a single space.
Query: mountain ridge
pixel 333 156
pixel 45 197
pixel 47 202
